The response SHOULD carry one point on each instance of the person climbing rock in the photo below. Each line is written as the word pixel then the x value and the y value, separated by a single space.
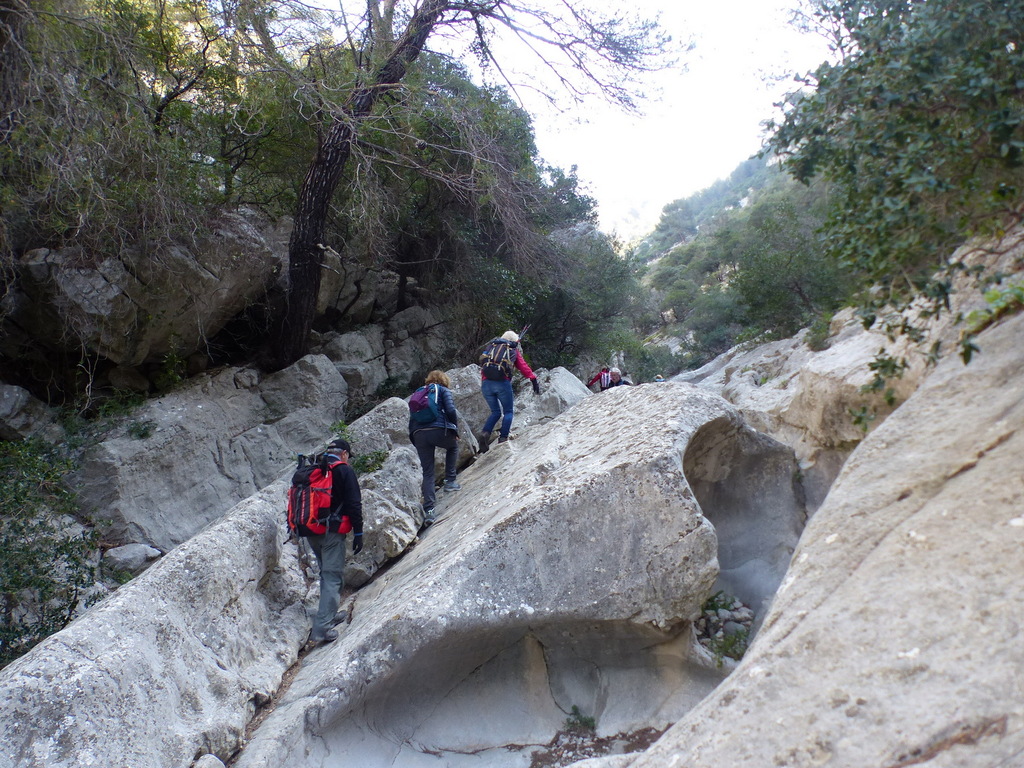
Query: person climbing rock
pixel 498 361
pixel 602 378
pixel 442 432
pixel 329 547
pixel 617 380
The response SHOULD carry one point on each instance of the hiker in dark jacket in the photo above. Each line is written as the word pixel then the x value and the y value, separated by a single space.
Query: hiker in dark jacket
pixel 329 547
pixel 500 397
pixel 442 433
pixel 617 380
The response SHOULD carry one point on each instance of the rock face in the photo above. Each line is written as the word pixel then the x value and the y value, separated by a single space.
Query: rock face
pixel 893 640
pixel 210 444
pixel 804 398
pixel 142 306
pixel 391 495
pixel 565 573
pixel 22 416
pixel 172 665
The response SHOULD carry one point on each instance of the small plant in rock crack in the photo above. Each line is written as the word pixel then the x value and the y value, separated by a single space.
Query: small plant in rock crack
pixel 732 646
pixel 140 430
pixel 577 721
pixel 369 462
pixel 724 627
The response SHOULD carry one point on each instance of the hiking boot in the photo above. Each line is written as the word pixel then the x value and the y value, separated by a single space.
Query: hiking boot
pixel 503 439
pixel 328 637
pixel 428 517
pixel 452 485
pixel 484 441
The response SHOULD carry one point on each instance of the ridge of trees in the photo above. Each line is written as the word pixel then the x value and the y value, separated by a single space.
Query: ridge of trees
pixel 908 144
pixel 750 268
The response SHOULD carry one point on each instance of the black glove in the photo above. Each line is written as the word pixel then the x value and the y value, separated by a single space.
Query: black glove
pixel 357 543
pixel 536 387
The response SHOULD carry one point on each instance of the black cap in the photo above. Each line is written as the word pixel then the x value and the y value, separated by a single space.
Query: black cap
pixel 339 445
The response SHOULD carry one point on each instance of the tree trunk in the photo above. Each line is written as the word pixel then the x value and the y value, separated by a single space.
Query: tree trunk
pixel 291 336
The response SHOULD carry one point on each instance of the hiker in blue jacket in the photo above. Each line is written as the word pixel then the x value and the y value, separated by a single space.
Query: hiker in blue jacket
pixel 329 547
pixel 443 432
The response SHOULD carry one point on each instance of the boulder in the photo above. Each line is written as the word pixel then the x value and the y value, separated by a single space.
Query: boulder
pixel 129 558
pixel 174 664
pixel 893 640
pixel 143 305
pixel 565 573
pixel 804 398
pixel 22 416
pixel 485 621
pixel 208 445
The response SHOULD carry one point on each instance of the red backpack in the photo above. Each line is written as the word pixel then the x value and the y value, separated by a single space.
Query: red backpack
pixel 309 497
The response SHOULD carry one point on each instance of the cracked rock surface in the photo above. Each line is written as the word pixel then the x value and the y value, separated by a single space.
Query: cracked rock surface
pixel 924 526
pixel 565 573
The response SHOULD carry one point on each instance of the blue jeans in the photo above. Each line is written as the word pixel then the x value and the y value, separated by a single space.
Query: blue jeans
pixel 498 395
pixel 329 549
pixel 426 441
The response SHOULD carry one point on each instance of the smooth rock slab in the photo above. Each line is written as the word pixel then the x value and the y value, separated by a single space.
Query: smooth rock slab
pixel 173 664
pixel 895 637
pixel 566 572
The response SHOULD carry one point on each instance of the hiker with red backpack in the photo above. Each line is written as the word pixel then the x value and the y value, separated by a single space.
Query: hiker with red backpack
pixel 498 361
pixel 433 424
pixel 324 504
pixel 602 378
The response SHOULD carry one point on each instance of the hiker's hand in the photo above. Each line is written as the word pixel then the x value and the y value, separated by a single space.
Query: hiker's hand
pixel 536 387
pixel 357 543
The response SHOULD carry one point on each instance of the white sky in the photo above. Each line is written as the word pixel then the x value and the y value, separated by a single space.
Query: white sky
pixel 707 122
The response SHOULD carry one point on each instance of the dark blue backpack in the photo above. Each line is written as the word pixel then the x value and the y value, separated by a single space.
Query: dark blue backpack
pixel 423 405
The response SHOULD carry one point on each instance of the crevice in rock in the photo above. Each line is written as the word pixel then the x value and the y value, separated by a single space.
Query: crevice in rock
pixel 748 487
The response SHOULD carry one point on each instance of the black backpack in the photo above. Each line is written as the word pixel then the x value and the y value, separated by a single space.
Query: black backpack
pixel 498 359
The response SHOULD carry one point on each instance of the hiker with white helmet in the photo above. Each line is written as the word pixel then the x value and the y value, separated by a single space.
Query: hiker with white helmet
pixel 498 361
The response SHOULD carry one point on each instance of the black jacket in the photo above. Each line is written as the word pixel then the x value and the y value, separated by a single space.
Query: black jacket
pixel 346 498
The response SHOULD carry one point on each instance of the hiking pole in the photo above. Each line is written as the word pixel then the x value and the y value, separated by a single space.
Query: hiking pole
pixel 523 332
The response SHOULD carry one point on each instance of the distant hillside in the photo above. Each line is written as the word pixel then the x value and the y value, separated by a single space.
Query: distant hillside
pixel 683 218
pixel 742 259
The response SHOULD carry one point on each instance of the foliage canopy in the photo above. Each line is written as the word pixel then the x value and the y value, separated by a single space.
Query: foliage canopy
pixel 919 128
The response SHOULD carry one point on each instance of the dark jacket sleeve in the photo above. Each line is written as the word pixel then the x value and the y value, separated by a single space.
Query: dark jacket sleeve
pixel 448 406
pixel 346 498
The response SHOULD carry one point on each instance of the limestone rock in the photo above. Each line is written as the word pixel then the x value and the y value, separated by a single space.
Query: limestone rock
pixel 892 640
pixel 171 665
pixel 138 306
pixel 804 398
pixel 22 416
pixel 129 558
pixel 215 441
pixel 565 572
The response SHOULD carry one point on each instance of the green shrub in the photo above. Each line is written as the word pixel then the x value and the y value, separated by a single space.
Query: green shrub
pixel 370 462
pixel 43 568
pixel 140 430
pixel 577 721
pixel 818 334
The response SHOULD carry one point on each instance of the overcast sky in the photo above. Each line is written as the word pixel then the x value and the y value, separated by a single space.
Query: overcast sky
pixel 707 122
